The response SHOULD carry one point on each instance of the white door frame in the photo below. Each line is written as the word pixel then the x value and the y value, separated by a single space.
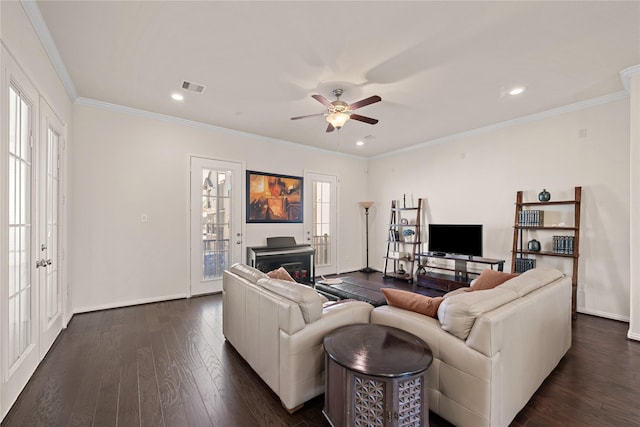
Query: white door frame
pixel 237 224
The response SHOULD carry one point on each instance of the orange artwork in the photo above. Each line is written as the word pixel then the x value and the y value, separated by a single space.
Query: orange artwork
pixel 273 198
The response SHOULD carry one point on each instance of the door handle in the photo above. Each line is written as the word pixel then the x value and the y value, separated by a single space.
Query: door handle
pixel 42 263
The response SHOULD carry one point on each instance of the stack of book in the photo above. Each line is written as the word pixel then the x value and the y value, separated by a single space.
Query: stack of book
pixel 563 244
pixel 524 264
pixel 531 218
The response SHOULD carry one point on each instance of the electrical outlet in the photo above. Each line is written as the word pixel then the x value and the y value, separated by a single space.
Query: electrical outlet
pixel 144 218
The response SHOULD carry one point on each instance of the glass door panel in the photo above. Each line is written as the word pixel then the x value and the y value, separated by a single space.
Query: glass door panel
pixel 20 228
pixel 321 221
pixel 215 223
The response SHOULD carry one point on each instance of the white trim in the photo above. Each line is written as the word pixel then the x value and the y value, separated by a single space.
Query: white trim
pixel 626 74
pixel 632 336
pixel 128 303
pixel 518 121
pixel 40 27
pixel 604 314
pixel 199 125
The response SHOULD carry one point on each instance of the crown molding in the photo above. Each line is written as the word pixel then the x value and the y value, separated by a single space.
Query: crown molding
pixel 626 74
pixel 199 125
pixel 40 27
pixel 518 121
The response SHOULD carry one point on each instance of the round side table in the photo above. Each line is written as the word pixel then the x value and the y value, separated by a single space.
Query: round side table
pixel 375 375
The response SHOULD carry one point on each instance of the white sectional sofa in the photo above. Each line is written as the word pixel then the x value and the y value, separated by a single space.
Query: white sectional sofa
pixel 278 328
pixel 493 348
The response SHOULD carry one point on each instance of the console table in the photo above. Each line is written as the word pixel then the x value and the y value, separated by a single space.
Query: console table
pixel 376 376
pixel 446 278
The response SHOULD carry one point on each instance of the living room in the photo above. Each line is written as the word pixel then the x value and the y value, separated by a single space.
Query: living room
pixel 122 161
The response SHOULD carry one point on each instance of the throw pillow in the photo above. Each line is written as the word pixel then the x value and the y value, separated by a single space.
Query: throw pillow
pixel 281 274
pixel 489 279
pixel 413 302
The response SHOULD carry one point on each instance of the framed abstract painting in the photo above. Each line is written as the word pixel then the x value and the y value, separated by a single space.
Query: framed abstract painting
pixel 273 198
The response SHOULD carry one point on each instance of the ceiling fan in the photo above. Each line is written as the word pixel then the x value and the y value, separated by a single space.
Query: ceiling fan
pixel 338 112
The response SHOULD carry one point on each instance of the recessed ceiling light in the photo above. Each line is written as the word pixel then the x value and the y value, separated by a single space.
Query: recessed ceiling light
pixel 360 143
pixel 177 96
pixel 516 91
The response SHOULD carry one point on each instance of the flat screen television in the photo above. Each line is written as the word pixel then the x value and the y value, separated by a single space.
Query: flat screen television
pixel 458 239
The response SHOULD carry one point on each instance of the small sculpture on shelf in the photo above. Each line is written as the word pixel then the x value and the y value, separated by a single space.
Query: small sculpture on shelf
pixel 533 245
pixel 544 196
pixel 408 235
pixel 401 269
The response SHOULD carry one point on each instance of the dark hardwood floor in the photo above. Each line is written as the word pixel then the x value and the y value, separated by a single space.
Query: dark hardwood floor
pixel 167 364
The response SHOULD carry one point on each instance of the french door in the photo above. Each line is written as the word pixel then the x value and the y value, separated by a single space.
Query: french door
pixel 30 283
pixel 215 222
pixel 321 221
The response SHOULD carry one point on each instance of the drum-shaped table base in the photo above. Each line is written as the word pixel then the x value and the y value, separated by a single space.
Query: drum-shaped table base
pixel 376 376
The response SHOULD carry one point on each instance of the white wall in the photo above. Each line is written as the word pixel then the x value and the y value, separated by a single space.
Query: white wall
pixel 474 179
pixel 125 164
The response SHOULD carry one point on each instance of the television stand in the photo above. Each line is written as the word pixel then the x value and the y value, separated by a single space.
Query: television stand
pixel 446 278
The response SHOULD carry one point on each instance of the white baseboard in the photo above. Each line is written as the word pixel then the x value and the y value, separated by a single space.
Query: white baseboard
pixel 128 303
pixel 633 336
pixel 604 314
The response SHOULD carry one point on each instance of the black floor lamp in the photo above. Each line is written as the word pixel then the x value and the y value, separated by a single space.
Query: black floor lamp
pixel 366 206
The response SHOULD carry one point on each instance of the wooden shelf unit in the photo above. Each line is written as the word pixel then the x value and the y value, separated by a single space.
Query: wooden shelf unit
pixel 519 249
pixel 397 244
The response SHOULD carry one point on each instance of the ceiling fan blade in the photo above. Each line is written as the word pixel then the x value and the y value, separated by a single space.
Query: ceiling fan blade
pixel 308 115
pixel 322 100
pixel 364 119
pixel 371 100
pixel 330 128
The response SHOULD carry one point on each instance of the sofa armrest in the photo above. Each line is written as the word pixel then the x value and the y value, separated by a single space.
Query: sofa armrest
pixel 302 355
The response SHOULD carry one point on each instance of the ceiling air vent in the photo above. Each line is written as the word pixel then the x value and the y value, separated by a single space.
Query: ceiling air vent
pixel 193 87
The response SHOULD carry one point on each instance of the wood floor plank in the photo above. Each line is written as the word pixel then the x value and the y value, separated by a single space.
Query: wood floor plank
pixel 150 409
pixel 106 410
pixel 168 385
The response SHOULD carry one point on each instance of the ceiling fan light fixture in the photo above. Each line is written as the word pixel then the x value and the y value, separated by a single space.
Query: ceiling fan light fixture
pixel 337 120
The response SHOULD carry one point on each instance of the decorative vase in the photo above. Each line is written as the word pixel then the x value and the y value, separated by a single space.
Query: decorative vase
pixel 533 245
pixel 544 196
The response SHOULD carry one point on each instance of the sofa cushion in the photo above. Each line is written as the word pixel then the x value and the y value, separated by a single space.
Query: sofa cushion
pixel 247 272
pixel 411 301
pixel 281 273
pixel 531 280
pixel 307 298
pixel 458 313
pixel 489 279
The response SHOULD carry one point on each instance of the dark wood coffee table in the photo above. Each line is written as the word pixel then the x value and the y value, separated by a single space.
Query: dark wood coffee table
pixel 376 376
pixel 353 288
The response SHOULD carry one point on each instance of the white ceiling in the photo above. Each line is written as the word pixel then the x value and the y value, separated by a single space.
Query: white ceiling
pixel 441 68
